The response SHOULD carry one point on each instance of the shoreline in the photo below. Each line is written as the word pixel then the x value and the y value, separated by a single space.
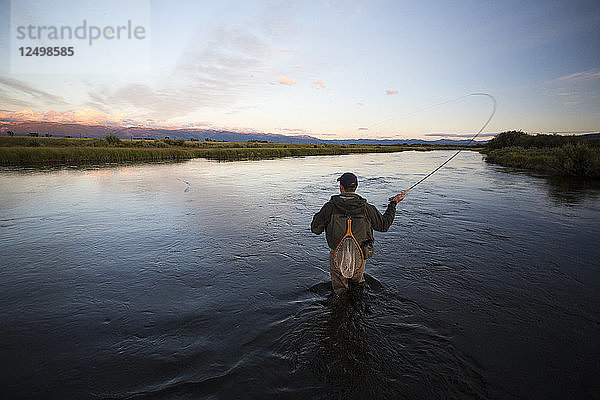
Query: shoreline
pixel 32 152
pixel 568 156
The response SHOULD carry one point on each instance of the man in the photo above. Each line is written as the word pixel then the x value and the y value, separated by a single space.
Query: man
pixel 364 217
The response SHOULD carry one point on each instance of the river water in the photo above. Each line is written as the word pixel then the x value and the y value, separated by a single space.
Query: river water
pixel 202 280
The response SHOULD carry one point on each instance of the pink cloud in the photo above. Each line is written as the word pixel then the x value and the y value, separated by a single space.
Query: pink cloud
pixel 286 81
pixel 81 116
pixel 298 67
pixel 319 83
pixel 86 116
pixel 391 91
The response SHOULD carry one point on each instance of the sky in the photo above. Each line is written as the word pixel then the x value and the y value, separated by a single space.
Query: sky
pixel 330 69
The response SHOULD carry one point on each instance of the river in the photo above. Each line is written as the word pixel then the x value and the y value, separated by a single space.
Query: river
pixel 202 280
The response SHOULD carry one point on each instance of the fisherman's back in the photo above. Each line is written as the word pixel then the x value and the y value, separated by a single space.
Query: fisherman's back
pixel 366 218
pixel 348 218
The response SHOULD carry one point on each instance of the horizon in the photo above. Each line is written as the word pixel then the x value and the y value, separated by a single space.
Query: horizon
pixel 331 70
pixel 122 132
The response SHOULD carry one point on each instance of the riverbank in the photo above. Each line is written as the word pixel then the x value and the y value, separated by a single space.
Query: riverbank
pixel 551 154
pixel 37 151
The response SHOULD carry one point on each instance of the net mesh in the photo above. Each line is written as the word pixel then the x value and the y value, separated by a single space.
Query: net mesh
pixel 348 257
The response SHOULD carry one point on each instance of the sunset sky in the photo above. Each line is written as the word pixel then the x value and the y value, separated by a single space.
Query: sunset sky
pixel 334 69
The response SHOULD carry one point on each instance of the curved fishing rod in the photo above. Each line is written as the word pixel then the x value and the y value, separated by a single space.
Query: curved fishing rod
pixel 495 104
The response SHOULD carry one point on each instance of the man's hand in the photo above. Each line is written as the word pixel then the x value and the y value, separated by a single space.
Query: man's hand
pixel 399 197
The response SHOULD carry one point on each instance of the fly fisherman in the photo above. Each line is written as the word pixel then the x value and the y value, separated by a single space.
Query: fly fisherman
pixel 347 217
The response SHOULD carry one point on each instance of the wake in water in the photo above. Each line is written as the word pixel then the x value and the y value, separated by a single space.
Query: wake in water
pixel 372 343
pixel 325 288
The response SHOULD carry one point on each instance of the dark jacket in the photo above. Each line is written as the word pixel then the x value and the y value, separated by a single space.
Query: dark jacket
pixel 353 206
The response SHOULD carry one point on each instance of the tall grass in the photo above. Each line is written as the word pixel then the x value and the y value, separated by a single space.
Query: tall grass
pixel 578 159
pixel 56 151
pixel 86 155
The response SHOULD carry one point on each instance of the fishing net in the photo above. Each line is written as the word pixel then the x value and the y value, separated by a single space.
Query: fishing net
pixel 348 256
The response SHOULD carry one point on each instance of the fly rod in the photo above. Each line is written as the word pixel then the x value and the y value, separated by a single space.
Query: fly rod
pixel 470 141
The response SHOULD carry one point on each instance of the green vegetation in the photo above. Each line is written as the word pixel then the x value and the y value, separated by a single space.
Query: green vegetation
pixel 85 155
pixel 553 154
pixel 32 151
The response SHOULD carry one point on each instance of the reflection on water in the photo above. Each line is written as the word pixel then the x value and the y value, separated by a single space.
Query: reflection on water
pixel 565 190
pixel 202 280
pixel 571 191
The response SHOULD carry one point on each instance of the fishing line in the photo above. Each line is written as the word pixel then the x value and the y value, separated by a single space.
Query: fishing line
pixel 495 104
pixel 421 110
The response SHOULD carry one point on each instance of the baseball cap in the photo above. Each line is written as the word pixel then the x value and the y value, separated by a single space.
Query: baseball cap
pixel 348 179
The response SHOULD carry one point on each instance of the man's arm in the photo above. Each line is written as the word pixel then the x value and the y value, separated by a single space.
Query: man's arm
pixel 379 222
pixel 382 223
pixel 320 220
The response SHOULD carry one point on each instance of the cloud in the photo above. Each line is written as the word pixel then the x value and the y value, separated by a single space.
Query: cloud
pixel 319 83
pixel 9 100
pixel 229 67
pixel 363 129
pixel 328 135
pixel 237 110
pixel 278 19
pixel 576 88
pixel 582 76
pixel 347 8
pixel 574 132
pixel 391 91
pixel 81 116
pixel 360 104
pixel 293 131
pixel 460 135
pixel 213 73
pixel 86 116
pixel 286 81
pixel 298 67
pixel 18 93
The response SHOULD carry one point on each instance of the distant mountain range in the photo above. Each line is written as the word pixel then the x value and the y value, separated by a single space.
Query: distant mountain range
pixel 91 131
pixel 59 129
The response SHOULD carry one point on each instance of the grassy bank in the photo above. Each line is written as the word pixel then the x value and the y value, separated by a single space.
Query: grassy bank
pixel 86 155
pixel 31 151
pixel 552 154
